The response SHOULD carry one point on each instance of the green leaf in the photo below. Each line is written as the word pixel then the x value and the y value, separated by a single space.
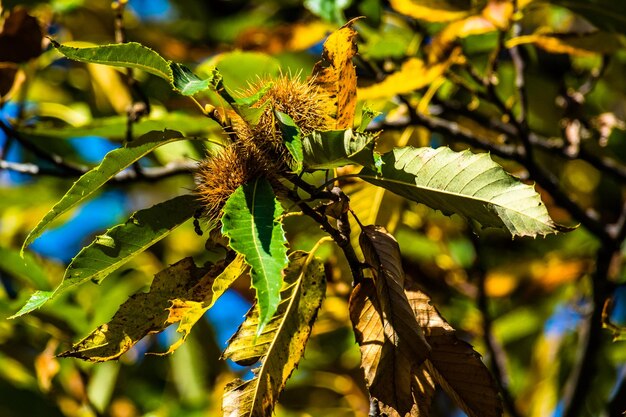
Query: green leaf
pixel 251 222
pixel 337 148
pixel 128 55
pixel 25 268
pixel 243 106
pixel 291 137
pixel 187 83
pixel 135 55
pixel 115 161
pixel 282 342
pixel 114 127
pixel 94 262
pixel 471 185
pixel 367 115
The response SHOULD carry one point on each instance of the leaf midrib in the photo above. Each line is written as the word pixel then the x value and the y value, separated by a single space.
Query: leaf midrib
pixel 296 290
pixel 256 241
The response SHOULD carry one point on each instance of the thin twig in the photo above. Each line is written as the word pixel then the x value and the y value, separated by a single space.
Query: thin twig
pixel 149 174
pixel 53 158
pixel 340 236
pixel 497 355
pixel 582 376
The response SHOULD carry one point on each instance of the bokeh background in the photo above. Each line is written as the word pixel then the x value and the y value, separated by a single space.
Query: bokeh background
pixel 536 292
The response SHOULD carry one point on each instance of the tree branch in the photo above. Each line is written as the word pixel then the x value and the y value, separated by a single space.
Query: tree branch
pixel 581 379
pixel 497 356
pixel 150 174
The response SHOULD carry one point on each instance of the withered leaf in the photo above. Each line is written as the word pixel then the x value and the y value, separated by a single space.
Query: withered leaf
pixel 387 369
pixel 280 344
pixel 402 366
pixel 336 76
pixel 182 285
pixel 382 254
pixel 392 342
pixel 454 364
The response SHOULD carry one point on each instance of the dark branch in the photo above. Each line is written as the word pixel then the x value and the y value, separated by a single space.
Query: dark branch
pixel 497 355
pixel 56 160
pixel 150 174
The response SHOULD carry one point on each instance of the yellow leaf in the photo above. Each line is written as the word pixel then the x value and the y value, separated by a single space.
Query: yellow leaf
pixel 578 45
pixel 335 75
pixel 306 35
pixel 429 10
pixel 474 25
pixel 291 37
pixel 499 12
pixel 412 75
pixel 186 312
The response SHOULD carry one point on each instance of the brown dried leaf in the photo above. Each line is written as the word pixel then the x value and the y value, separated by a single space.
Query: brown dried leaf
pixel 382 254
pixel 400 375
pixel 392 343
pixel 336 76
pixel 387 368
pixel 454 364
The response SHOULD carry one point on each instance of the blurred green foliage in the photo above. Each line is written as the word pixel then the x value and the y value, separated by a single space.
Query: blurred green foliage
pixel 538 293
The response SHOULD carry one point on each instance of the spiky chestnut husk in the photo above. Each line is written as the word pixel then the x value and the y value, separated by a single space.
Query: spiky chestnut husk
pixel 259 150
pixel 219 176
pixel 303 101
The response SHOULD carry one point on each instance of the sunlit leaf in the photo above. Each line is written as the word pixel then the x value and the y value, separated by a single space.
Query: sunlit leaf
pixel 471 185
pixel 414 74
pixel 280 345
pixel 135 55
pixel 335 75
pixel 118 245
pixel 140 315
pixel 336 148
pixel 577 45
pixel 115 161
pixel 430 10
pixel 442 43
pixel 187 311
pixel 187 83
pixel 251 222
pixel 129 55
